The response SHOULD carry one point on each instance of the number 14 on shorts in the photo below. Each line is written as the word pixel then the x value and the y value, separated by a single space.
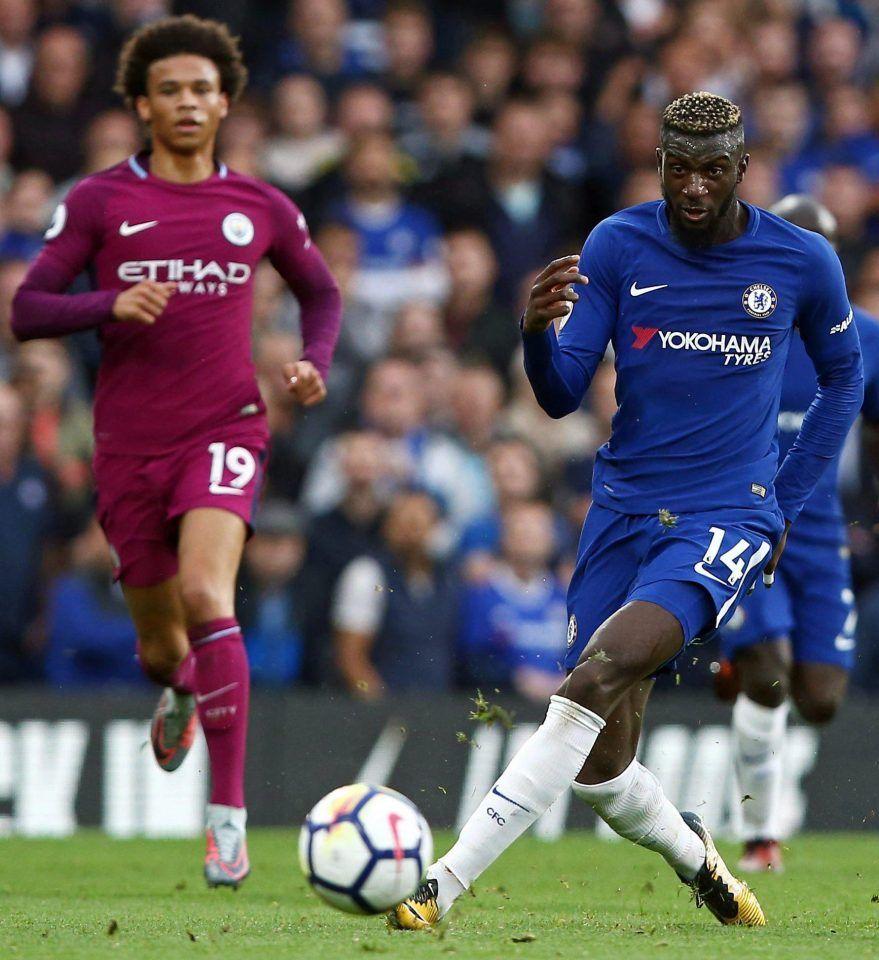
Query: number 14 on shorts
pixel 731 566
pixel 237 461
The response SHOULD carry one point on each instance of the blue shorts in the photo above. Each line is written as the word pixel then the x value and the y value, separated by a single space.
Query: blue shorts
pixel 697 566
pixel 811 603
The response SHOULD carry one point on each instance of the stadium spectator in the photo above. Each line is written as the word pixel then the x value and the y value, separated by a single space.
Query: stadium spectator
pixel 395 614
pixel 516 476
pixel 17 21
pixel 834 53
pixel 408 46
pixel 60 421
pixel 337 536
pixel 316 42
pixel 302 145
pixel 418 331
pixel 242 139
pixel 364 108
pixel 559 442
pixel 489 62
pixel 90 638
pixel 842 190
pixel 525 210
pixel 271 613
pixel 399 241
pixel 445 134
pixel 477 399
pixel 25 214
pixel 513 622
pixel 393 404
pixel 476 325
pixel 109 139
pixel 50 120
pixel 27 524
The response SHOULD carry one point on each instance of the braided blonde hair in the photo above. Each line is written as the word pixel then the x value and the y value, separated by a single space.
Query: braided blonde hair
pixel 701 112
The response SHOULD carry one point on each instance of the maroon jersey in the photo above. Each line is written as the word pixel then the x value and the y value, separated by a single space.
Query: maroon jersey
pixel 192 370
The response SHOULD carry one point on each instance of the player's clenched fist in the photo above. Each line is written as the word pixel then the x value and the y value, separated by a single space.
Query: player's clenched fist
pixel 552 295
pixel 143 302
pixel 305 383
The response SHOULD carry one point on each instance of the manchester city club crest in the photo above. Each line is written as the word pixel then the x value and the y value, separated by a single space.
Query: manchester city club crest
pixel 572 630
pixel 759 300
pixel 238 229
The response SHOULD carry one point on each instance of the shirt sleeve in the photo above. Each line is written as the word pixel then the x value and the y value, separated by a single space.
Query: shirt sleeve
pixel 41 306
pixel 359 601
pixel 560 368
pixel 297 259
pixel 830 336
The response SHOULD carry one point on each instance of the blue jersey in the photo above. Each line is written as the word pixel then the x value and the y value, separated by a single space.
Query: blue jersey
pixel 821 520
pixel 701 338
pixel 393 238
pixel 509 624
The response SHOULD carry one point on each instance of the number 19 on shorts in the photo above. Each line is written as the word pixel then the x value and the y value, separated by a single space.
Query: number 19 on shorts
pixel 237 461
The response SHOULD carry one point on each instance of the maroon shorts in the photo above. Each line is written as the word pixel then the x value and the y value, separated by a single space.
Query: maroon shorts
pixel 142 498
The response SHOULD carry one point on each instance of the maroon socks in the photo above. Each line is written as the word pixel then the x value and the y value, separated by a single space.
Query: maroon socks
pixel 220 677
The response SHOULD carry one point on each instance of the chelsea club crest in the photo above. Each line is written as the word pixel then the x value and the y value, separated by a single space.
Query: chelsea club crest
pixel 759 300
pixel 572 631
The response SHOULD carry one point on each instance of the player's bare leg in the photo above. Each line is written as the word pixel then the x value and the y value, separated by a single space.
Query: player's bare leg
pixel 759 733
pixel 629 798
pixel 818 689
pixel 209 550
pixel 165 657
pixel 629 646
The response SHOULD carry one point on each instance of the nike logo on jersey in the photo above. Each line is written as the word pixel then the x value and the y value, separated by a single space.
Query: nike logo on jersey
pixel 126 229
pixel 201 697
pixel 637 291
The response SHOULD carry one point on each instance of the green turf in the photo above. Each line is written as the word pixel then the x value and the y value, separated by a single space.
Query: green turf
pixel 88 898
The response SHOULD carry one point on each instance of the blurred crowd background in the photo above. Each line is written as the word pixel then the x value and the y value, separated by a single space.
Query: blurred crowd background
pixel 418 528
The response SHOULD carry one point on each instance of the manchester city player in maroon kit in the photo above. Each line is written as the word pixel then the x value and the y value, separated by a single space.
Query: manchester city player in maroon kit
pixel 171 239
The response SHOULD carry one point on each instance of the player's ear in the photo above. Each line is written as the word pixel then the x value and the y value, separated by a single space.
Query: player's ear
pixel 224 105
pixel 743 167
pixel 142 106
pixel 659 160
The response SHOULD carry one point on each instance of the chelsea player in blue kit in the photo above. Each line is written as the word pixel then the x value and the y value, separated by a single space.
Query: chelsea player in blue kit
pixel 796 641
pixel 699 295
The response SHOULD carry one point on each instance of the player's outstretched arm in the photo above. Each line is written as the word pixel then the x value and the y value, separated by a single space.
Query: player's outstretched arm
pixel 830 336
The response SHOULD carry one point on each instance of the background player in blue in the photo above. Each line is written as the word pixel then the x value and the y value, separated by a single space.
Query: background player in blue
pixel 699 294
pixel 797 640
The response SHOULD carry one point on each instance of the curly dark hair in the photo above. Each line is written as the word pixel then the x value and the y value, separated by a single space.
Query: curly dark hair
pixel 703 113
pixel 175 35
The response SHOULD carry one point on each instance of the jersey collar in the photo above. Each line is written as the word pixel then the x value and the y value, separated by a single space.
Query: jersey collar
pixel 139 165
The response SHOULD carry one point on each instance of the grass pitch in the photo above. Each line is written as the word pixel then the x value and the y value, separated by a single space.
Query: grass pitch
pixel 89 898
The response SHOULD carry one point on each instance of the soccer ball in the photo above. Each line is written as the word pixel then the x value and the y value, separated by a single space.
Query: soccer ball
pixel 364 848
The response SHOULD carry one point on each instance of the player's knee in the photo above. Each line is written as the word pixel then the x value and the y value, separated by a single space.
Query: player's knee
pixel 159 656
pixel 202 600
pixel 764 673
pixel 817 708
pixel 597 685
pixel 769 689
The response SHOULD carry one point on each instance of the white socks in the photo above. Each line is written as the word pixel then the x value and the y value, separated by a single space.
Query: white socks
pixel 543 768
pixel 759 735
pixel 218 813
pixel 634 805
